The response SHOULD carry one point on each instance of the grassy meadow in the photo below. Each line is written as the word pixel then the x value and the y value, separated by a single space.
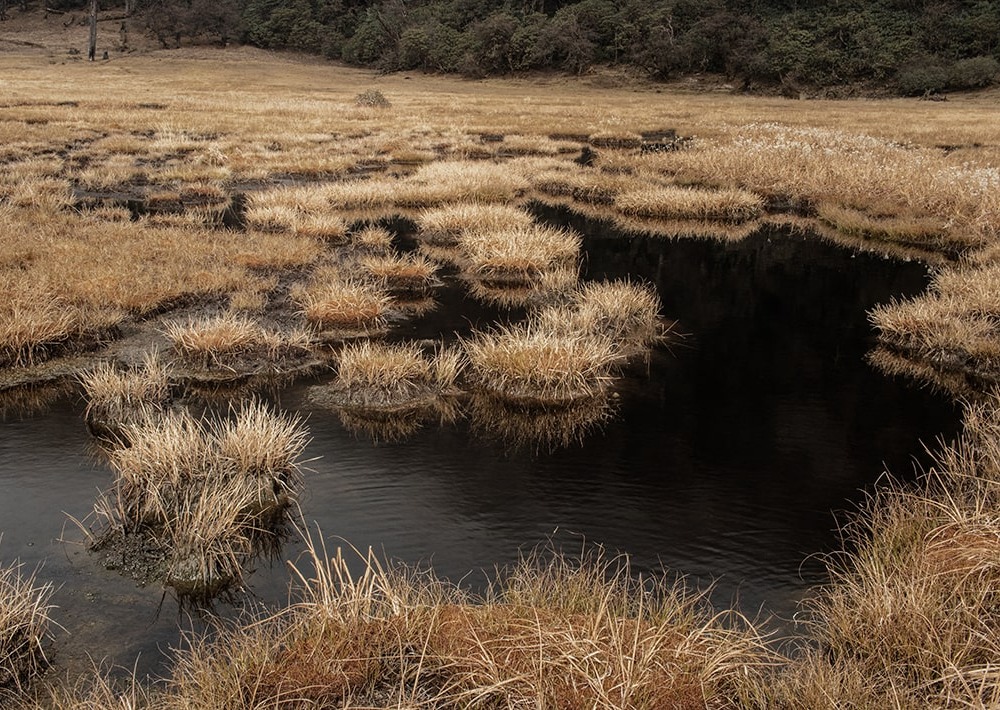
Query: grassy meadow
pixel 228 208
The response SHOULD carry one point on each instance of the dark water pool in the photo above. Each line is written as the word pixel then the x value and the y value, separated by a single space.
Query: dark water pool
pixel 725 462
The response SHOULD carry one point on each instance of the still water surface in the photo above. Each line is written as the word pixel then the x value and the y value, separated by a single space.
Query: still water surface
pixel 726 461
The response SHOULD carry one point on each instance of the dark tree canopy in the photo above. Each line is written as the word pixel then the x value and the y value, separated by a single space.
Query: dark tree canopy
pixel 909 46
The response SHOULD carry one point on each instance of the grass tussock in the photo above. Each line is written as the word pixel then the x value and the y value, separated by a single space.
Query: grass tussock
pixel 730 205
pixel 393 377
pixel 912 190
pixel 925 232
pixel 407 275
pixel 24 629
pixel 118 395
pixel 222 340
pixel 373 239
pixel 332 302
pixel 301 211
pixel 445 225
pixel 951 328
pixel 202 491
pixel 513 290
pixel 37 324
pixel 458 181
pixel 96 691
pixel 531 365
pixel 624 313
pixel 553 632
pixel 519 254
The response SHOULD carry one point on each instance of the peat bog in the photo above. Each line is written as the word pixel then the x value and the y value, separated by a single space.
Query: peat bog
pixel 722 457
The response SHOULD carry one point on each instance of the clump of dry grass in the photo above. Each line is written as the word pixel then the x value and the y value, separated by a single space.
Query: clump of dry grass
pixel 624 313
pixel 553 632
pixel 225 339
pixel 588 186
pixel 37 324
pixel 445 225
pixel 332 302
pixel 519 254
pixel 401 275
pixel 926 231
pixel 393 378
pixel 531 365
pixel 203 492
pixel 457 181
pixel 24 629
pixel 903 190
pixel 951 327
pixel 94 691
pixel 373 239
pixel 117 396
pixel 668 202
pixel 283 211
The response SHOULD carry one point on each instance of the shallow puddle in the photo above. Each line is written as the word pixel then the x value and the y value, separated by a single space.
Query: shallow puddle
pixel 724 461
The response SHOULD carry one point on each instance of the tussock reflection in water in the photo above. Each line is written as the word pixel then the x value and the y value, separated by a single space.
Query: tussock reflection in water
pixel 540 429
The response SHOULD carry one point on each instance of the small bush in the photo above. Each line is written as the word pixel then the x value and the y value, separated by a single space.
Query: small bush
pixel 372 98
pixel 973 73
pixel 922 76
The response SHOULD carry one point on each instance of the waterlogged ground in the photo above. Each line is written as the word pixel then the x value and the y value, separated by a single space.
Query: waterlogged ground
pixel 724 462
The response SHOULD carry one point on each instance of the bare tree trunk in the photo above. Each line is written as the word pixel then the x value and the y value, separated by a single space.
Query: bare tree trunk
pixel 92 49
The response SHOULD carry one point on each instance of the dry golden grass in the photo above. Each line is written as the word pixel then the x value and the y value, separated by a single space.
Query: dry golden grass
pixel 517 290
pixel 117 395
pixel 625 314
pixel 552 633
pixel 24 629
pixel 373 239
pixel 952 328
pixel 871 168
pixel 731 205
pixel 36 324
pixel 909 619
pixel 97 691
pixel 343 304
pixel 399 274
pixel 520 253
pixel 301 211
pixel 385 376
pixel 396 379
pixel 202 491
pixel 528 364
pixel 457 181
pixel 445 225
pixel 219 340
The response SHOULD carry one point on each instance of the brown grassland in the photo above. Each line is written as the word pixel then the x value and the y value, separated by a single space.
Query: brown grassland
pixel 133 186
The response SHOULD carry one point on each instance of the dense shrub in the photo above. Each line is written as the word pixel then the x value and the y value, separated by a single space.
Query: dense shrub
pixel 973 73
pixel 914 47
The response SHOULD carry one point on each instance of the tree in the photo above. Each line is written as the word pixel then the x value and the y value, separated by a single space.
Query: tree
pixel 92 47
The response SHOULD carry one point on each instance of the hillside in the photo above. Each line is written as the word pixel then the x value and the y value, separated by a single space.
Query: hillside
pixel 841 48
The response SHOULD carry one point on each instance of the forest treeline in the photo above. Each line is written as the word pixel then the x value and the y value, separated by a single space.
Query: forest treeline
pixel 907 46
